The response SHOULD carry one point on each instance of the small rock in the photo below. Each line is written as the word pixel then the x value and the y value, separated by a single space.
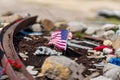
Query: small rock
pixel 109 13
pixel 61 25
pixel 107 27
pixel 117 53
pixel 112 71
pixel 7 13
pixel 107 43
pixel 35 27
pixel 108 34
pixel 99 32
pixel 62 68
pixel 91 30
pixel 105 13
pixel 115 43
pixel 47 25
pixel 76 26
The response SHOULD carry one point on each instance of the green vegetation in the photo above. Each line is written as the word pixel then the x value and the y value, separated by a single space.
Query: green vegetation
pixel 79 34
pixel 106 20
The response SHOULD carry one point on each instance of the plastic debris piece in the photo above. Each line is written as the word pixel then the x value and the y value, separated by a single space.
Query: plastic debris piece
pixel 115 61
pixel 92 69
pixel 102 64
pixel 46 51
pixel 24 56
pixel 31 33
pixel 31 71
pixel 27 38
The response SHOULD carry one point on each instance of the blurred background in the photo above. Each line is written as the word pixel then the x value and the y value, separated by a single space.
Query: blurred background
pixel 87 11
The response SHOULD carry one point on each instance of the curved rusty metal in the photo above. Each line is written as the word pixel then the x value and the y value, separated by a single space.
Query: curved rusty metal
pixel 8 47
pixel 9 70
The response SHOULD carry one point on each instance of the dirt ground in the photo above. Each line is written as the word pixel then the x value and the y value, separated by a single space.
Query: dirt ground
pixel 59 10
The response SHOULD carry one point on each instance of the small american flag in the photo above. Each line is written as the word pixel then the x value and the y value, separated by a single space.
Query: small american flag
pixel 59 39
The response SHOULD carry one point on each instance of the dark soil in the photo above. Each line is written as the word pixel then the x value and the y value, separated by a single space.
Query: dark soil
pixel 30 46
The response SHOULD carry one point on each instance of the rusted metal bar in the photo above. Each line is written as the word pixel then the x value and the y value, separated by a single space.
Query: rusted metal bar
pixel 4 61
pixel 7 43
pixel 8 69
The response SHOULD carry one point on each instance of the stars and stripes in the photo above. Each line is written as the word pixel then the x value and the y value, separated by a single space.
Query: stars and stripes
pixel 59 39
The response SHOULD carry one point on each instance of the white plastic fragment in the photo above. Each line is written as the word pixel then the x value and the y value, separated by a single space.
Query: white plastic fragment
pixel 27 38
pixel 31 71
pixel 24 56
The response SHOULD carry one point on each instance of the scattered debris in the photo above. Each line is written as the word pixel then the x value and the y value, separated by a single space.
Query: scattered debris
pixel 40 75
pixel 102 64
pixel 31 33
pixel 31 71
pixel 46 51
pixel 24 56
pixel 27 38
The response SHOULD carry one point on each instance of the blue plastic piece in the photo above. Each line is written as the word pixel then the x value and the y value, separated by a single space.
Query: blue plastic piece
pixel 115 61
